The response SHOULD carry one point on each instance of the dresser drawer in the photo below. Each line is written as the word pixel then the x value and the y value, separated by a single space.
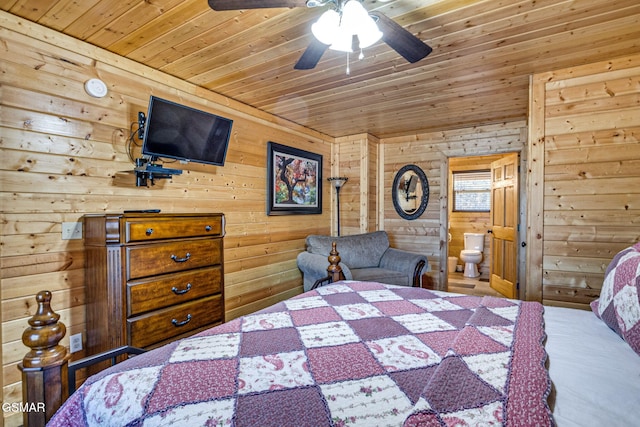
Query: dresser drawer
pixel 171 289
pixel 167 323
pixel 144 230
pixel 151 260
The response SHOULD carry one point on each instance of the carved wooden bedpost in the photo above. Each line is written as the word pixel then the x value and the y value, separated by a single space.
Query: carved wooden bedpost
pixel 44 368
pixel 334 270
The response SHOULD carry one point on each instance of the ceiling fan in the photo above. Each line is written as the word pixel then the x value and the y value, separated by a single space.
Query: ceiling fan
pixel 333 31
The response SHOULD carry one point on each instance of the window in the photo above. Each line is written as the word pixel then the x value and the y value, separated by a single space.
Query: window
pixel 472 191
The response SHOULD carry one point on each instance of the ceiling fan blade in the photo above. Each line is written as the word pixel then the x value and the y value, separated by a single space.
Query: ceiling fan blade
pixel 402 41
pixel 254 4
pixel 311 56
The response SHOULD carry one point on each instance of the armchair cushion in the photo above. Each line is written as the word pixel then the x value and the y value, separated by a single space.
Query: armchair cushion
pixel 383 275
pixel 356 251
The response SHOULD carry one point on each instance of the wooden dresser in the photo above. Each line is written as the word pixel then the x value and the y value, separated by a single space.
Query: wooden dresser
pixel 152 278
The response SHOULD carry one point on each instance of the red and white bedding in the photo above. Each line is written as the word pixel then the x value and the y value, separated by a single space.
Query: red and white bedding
pixel 347 354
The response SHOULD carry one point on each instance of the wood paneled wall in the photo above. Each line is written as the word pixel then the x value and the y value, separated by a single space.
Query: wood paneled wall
pixel 358 161
pixel 585 177
pixel 65 154
pixel 431 151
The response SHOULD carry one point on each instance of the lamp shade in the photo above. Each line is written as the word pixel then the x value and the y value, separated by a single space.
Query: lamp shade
pixel 337 28
pixel 326 27
pixel 353 13
pixel 338 181
pixel 368 32
pixel 343 41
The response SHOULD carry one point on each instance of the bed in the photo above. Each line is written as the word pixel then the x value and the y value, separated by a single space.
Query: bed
pixel 595 374
pixel 370 354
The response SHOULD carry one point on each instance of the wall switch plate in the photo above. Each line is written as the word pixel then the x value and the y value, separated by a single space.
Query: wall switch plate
pixel 75 343
pixel 71 230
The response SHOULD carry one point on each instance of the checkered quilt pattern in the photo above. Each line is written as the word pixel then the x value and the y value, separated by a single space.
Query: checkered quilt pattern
pixel 619 302
pixel 347 354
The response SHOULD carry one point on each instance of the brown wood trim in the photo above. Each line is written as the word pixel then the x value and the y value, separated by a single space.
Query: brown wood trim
pixel 334 269
pixel 47 376
pixel 44 367
pixel 535 190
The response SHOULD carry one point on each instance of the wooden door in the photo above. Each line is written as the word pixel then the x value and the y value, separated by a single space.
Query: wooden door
pixel 504 225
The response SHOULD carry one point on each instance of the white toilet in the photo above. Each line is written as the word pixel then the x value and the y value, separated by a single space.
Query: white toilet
pixel 471 255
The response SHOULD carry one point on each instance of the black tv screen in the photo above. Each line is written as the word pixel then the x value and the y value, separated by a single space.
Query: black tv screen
pixel 179 132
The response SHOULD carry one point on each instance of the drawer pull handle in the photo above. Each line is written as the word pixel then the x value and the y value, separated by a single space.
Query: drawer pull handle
pixel 208 228
pixel 185 259
pixel 184 322
pixel 149 231
pixel 181 291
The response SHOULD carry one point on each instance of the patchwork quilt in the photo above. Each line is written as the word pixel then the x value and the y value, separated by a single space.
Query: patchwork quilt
pixel 619 302
pixel 347 354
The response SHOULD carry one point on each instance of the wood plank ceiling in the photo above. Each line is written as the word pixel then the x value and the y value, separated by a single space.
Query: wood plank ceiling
pixel 478 73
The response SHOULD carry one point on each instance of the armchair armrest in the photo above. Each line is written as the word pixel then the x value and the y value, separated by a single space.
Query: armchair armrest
pixel 314 267
pixel 410 263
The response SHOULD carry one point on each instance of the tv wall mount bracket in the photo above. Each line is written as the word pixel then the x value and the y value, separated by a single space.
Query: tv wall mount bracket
pixel 147 171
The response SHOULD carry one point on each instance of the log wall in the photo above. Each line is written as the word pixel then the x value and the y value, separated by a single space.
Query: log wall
pixel 65 154
pixel 585 186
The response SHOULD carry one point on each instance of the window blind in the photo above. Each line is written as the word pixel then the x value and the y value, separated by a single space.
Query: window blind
pixel 472 191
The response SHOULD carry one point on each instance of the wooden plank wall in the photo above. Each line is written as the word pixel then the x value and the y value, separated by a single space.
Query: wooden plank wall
pixel 431 152
pixel 358 161
pixel 586 129
pixel 64 154
pixel 373 151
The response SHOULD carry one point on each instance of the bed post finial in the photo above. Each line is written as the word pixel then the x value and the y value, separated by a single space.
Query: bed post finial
pixel 334 269
pixel 44 367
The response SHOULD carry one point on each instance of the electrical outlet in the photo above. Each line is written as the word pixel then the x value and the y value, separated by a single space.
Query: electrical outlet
pixel 75 343
pixel 71 230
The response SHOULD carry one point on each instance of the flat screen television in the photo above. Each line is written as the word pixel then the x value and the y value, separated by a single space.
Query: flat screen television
pixel 179 132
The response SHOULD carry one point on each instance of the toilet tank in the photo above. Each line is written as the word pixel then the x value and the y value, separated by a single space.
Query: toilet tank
pixel 474 241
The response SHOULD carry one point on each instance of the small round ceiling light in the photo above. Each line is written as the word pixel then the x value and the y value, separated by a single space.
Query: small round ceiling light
pixel 96 88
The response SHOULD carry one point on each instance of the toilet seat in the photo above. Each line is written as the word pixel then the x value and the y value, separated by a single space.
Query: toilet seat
pixel 469 252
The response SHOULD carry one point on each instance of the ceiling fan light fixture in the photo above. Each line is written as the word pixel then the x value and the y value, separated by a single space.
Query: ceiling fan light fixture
pixel 369 27
pixel 343 41
pixel 337 28
pixel 353 13
pixel 326 27
pixel 356 18
pixel 368 33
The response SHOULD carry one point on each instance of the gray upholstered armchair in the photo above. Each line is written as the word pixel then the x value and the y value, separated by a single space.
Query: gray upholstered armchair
pixel 365 257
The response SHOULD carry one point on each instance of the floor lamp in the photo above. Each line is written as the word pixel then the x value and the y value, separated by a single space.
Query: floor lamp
pixel 337 183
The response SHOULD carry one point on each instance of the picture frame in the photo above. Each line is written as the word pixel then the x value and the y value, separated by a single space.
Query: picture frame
pixel 294 181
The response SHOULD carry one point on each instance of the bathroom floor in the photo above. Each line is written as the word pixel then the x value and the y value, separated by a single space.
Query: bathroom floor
pixel 464 285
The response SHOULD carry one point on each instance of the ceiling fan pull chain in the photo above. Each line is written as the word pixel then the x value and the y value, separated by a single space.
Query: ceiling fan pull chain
pixel 348 70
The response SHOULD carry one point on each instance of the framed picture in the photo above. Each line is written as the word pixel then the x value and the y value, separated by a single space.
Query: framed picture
pixel 294 181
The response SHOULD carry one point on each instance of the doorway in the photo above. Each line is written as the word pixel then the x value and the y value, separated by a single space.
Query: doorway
pixel 473 207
